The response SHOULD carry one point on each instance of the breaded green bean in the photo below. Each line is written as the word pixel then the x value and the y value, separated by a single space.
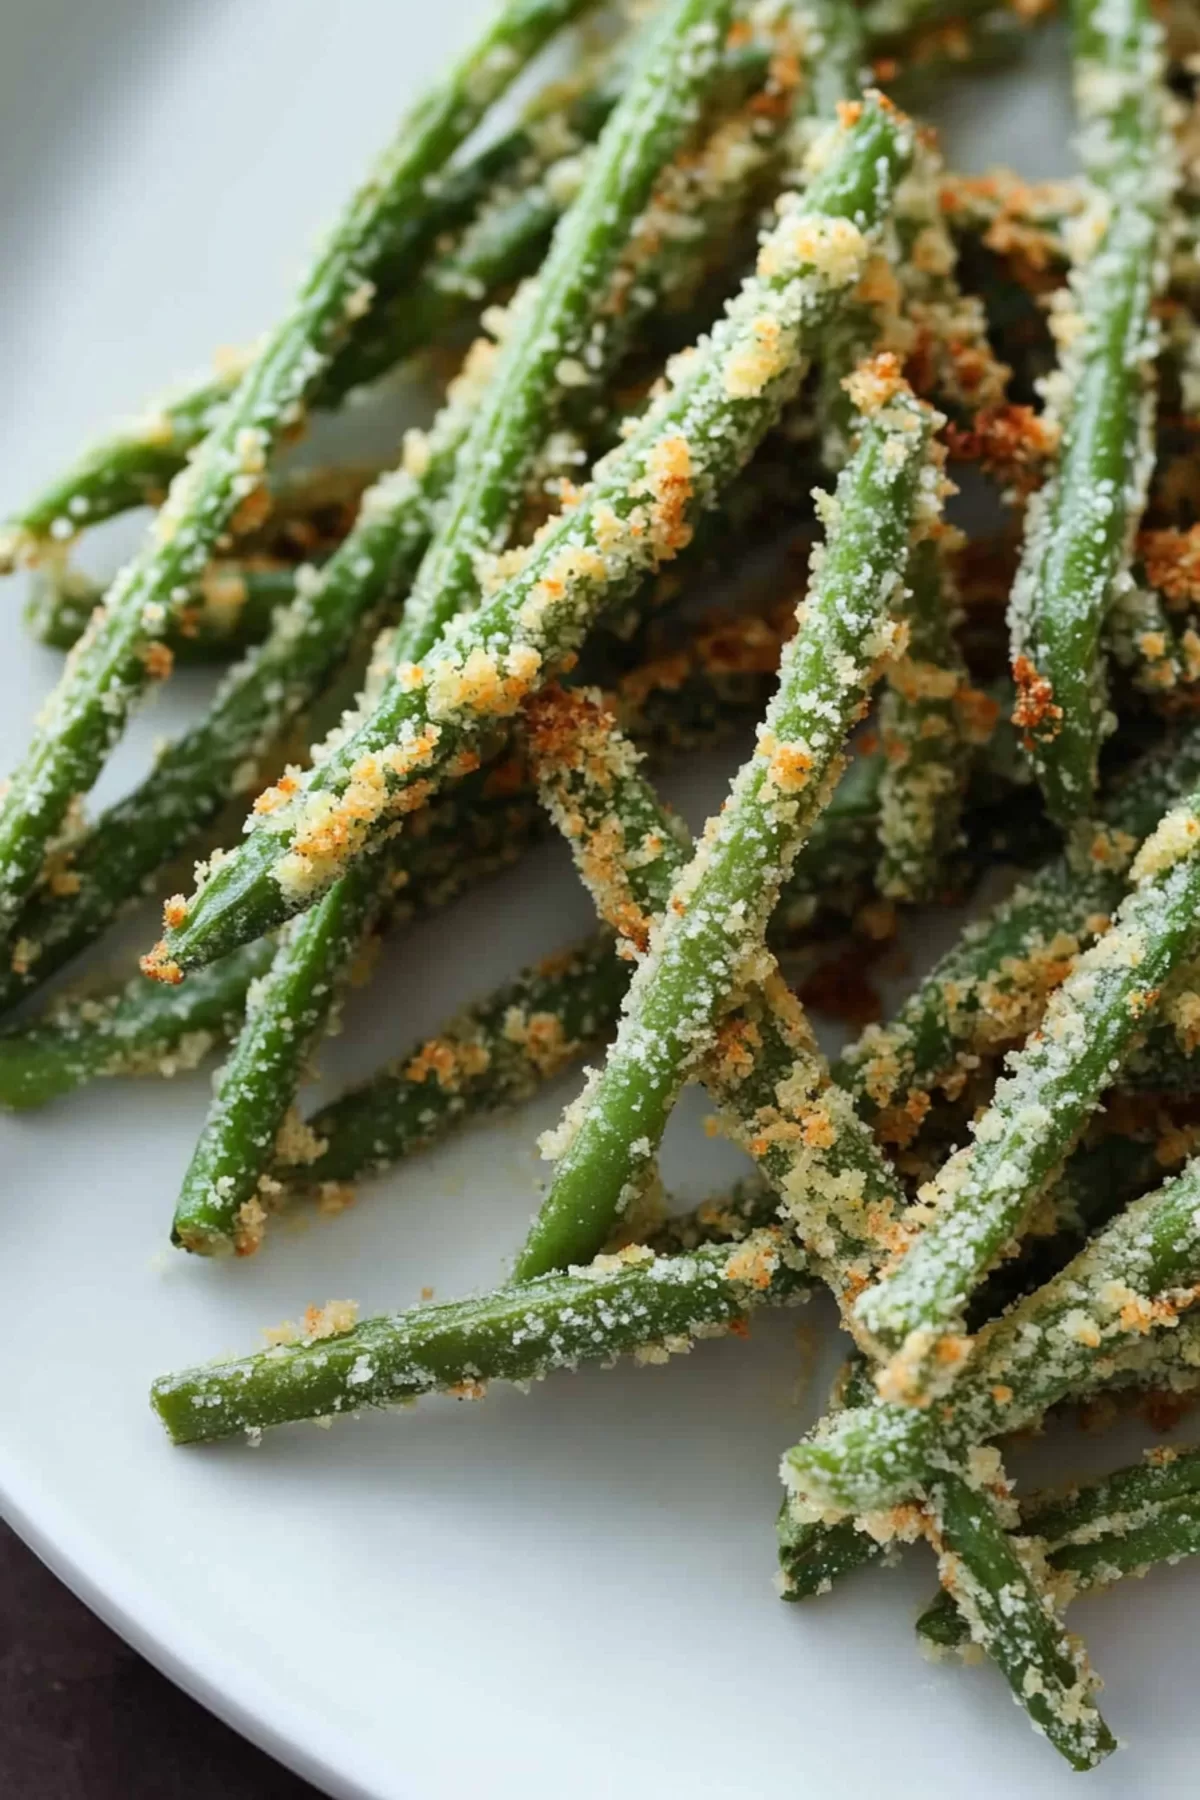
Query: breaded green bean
pixel 555 322
pixel 222 485
pixel 1092 1535
pixel 982 1198
pixel 1114 1311
pixel 631 1301
pixel 637 514
pixel 1080 526
pixel 712 927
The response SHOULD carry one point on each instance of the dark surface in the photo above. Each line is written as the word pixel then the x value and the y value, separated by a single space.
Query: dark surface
pixel 83 1717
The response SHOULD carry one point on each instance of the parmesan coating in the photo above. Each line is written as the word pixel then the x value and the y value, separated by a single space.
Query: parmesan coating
pixel 641 527
pixel 1001 1596
pixel 1080 528
pixel 633 1302
pixel 982 1199
pixel 587 777
pixel 1118 1311
pixel 1095 1533
pixel 708 947
pixel 990 990
pixel 489 1057
pixel 924 731
pixel 221 490
pixel 765 1072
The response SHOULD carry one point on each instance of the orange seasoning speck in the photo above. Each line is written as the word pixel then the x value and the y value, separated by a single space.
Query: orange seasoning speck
pixel 158 660
pixel 875 381
pixel 160 967
pixel 1035 715
pixel 669 481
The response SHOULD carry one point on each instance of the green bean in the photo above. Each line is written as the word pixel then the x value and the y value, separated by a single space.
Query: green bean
pixel 833 871
pixel 688 700
pixel 1143 642
pixel 942 331
pixel 555 323
pixel 231 608
pixel 728 1218
pixel 892 21
pixel 835 47
pixel 712 927
pixel 1169 1535
pixel 1011 216
pixel 836 864
pixel 922 719
pixel 1098 1181
pixel 835 60
pixel 145 1028
pixel 500 247
pixel 1079 528
pixel 1165 1536
pixel 768 1077
pixel 628 848
pixel 488 1058
pixel 1006 1614
pixel 777 1103
pixel 501 1050
pixel 1113 1311
pixel 950 353
pixel 990 990
pixel 983 1196
pixel 635 515
pixel 223 482
pixel 220 1205
pixel 812 1557
pixel 1166 1062
pixel 1099 1531
pixel 995 41
pixel 814 1553
pixel 228 1188
pixel 766 1073
pixel 925 745
pixel 138 1029
pixel 110 862
pixel 1113 1503
pixel 233 603
pixel 561 317
pixel 631 1301
pixel 503 244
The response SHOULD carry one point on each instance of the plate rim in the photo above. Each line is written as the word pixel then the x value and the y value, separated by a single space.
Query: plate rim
pixel 162 1636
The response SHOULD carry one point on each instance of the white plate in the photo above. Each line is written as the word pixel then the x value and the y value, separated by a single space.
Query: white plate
pixel 563 1593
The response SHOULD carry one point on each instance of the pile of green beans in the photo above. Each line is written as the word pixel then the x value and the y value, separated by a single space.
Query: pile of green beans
pixel 439 661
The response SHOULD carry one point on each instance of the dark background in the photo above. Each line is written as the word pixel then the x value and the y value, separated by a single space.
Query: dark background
pixel 84 1717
